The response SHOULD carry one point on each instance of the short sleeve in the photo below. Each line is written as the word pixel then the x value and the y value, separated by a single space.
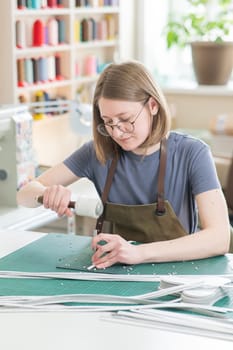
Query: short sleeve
pixel 203 174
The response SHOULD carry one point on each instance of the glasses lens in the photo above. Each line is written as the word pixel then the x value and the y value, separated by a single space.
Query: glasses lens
pixel 126 127
pixel 102 130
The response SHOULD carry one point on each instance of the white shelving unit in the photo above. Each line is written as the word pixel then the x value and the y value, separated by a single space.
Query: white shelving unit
pixel 71 52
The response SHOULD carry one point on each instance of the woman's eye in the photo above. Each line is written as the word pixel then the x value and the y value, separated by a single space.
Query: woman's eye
pixel 108 122
pixel 125 120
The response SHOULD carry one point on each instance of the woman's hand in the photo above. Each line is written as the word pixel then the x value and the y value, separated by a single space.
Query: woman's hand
pixel 116 249
pixel 57 198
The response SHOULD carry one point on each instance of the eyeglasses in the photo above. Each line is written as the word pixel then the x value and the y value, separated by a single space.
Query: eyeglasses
pixel 124 126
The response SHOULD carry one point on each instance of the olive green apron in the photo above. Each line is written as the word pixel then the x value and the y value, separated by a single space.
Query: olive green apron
pixel 141 223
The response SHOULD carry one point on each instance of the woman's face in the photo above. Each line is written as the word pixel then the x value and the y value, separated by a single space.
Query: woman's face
pixel 128 123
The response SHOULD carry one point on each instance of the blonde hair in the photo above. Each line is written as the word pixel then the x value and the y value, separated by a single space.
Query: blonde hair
pixel 129 81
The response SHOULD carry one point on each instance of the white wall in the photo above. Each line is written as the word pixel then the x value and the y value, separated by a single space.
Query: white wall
pixel 128 26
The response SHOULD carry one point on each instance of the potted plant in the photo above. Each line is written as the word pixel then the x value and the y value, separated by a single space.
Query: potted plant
pixel 206 27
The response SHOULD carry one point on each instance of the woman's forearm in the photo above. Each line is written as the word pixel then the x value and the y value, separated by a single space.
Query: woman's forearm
pixel 199 245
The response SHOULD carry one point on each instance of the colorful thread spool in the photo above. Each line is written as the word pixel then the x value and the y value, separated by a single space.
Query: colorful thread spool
pixel 21 4
pixel 51 68
pixel 39 97
pixel 21 73
pixel 44 4
pixel 77 31
pixel 35 67
pixel 20 34
pixel 38 33
pixel 61 31
pixel 35 4
pixel 60 3
pixel 52 3
pixel 43 70
pixel 28 70
pixel 52 32
pixel 90 65
pixel 58 67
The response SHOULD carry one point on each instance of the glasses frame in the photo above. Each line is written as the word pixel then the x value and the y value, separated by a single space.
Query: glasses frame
pixel 101 125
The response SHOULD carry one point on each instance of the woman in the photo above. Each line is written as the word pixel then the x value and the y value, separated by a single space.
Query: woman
pixel 154 183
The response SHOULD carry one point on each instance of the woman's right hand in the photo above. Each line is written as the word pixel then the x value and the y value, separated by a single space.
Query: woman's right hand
pixel 57 198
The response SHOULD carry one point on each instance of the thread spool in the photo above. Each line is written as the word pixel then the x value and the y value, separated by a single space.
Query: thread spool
pixel 52 32
pixel 28 70
pixel 35 67
pixel 44 4
pixel 21 4
pixel 93 28
pixel 84 30
pixel 77 31
pixel 43 71
pixel 35 4
pixel 60 3
pixel 78 3
pixel 102 30
pixel 51 68
pixel 110 27
pixel 38 33
pixel 21 73
pixel 58 67
pixel 94 3
pixel 61 31
pixel 52 3
pixel 22 99
pixel 39 61
pixel 90 65
pixel 20 34
pixel 29 4
pixel 90 29
pixel 46 96
pixel 39 97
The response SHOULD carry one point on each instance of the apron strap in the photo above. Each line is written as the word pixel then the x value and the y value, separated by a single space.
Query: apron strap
pixel 104 197
pixel 160 210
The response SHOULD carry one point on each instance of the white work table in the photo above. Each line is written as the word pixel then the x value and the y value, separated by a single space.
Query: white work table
pixel 21 218
pixel 76 330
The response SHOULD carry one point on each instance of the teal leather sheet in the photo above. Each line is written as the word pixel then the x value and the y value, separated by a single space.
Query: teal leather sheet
pixel 61 252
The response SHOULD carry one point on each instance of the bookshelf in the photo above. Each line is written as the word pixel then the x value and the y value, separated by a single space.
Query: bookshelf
pixel 89 40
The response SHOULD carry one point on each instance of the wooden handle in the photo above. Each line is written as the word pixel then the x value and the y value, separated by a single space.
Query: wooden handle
pixel 70 205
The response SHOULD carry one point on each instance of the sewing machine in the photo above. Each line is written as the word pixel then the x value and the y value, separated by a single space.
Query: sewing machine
pixel 16 153
pixel 19 156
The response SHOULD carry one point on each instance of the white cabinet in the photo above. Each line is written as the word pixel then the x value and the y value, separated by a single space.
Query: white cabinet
pixel 89 39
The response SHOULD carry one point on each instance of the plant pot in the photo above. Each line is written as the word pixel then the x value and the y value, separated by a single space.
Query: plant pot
pixel 212 62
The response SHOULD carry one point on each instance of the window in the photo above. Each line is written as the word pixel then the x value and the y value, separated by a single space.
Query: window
pixel 167 65
pixel 170 67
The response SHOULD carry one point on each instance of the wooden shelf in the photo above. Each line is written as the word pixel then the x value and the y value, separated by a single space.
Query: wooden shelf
pixel 73 54
pixel 42 12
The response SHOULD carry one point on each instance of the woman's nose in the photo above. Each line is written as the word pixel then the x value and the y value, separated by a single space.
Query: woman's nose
pixel 116 132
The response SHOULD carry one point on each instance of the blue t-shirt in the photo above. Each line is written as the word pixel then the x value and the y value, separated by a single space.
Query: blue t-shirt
pixel 190 170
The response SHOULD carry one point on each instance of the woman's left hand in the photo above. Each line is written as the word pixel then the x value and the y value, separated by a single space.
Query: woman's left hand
pixel 115 249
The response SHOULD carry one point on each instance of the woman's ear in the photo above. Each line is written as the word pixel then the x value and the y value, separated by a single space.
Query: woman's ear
pixel 153 106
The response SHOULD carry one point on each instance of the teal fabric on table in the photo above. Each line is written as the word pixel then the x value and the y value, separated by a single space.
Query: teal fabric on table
pixel 68 252
pixel 61 252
